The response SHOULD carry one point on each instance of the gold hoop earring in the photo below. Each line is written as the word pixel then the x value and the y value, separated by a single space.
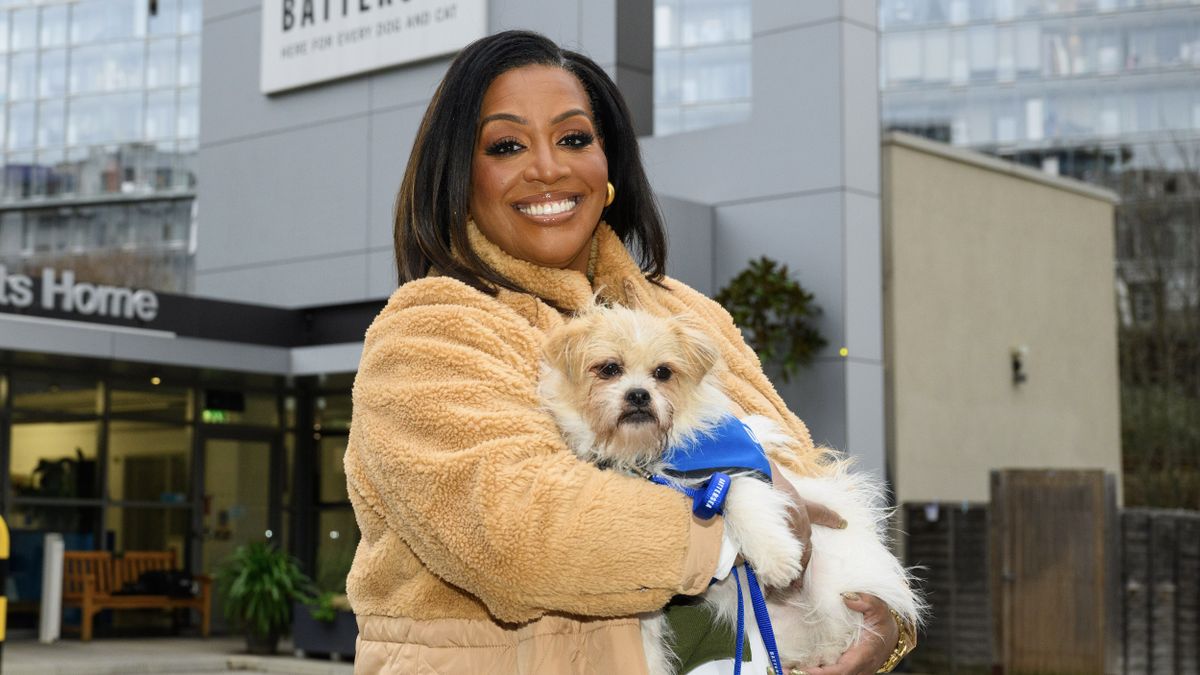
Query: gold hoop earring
pixel 612 194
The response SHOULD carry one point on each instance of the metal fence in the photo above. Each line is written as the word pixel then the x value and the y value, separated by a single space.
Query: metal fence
pixel 949 545
pixel 1160 583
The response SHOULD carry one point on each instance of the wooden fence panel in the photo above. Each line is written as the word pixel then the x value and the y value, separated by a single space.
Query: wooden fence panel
pixel 1050 571
pixel 1154 623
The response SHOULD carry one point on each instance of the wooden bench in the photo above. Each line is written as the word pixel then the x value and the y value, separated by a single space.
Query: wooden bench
pixel 91 580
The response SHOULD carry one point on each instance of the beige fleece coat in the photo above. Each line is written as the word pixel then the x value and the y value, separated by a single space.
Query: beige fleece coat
pixel 487 547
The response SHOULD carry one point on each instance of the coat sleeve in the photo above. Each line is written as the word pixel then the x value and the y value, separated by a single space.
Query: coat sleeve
pixel 448 445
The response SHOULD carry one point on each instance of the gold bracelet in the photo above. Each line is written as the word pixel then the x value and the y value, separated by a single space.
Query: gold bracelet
pixel 905 642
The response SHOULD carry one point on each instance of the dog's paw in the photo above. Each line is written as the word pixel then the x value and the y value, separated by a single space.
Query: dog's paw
pixel 778 565
pixel 757 517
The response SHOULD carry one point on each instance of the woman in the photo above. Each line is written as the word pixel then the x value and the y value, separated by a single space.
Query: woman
pixel 486 546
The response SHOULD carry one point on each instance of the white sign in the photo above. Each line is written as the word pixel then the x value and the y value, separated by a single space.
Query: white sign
pixel 65 295
pixel 307 41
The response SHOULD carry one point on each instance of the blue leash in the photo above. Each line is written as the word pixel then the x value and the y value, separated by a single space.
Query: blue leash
pixel 765 629
pixel 707 503
pixel 741 624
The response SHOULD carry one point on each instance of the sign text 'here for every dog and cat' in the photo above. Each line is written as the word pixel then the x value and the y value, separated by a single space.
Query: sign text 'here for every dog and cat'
pixel 309 41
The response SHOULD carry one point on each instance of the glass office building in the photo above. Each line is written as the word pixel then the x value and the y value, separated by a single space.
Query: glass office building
pixel 1107 91
pixel 99 128
pixel 99 121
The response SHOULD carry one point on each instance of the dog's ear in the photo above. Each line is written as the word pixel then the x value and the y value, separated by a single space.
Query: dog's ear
pixel 563 347
pixel 633 297
pixel 699 350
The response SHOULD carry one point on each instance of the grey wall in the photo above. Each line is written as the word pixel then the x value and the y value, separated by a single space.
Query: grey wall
pixel 799 181
pixel 296 190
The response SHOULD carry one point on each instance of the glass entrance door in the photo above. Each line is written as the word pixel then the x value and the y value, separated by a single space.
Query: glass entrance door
pixel 237 498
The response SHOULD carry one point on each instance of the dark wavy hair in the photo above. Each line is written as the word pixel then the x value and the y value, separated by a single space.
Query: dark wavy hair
pixel 432 204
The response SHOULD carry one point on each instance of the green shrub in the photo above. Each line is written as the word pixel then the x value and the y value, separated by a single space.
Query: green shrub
pixel 775 314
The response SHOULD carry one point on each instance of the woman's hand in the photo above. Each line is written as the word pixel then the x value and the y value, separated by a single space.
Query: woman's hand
pixel 872 650
pixel 804 515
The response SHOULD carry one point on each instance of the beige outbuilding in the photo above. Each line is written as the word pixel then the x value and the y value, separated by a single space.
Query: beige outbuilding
pixel 1000 326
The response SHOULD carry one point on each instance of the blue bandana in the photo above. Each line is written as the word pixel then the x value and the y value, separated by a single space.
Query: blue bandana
pixel 730 447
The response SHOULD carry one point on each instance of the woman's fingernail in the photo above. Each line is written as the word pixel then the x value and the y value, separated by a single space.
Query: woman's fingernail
pixel 851 596
pixel 796 671
pixel 842 524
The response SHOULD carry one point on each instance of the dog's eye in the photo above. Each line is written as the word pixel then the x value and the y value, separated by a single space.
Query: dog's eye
pixel 609 370
pixel 662 373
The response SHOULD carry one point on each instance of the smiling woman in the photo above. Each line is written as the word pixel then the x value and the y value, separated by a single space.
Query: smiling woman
pixel 550 134
pixel 487 546
pixel 540 177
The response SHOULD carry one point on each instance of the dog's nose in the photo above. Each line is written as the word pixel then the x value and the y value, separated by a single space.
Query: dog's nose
pixel 638 397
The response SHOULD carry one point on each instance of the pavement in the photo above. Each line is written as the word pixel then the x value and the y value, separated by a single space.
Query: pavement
pixel 157 656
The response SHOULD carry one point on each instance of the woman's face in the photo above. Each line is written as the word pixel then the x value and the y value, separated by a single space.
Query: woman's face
pixel 539 175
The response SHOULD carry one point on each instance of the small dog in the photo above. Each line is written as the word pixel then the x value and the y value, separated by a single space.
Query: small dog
pixel 625 386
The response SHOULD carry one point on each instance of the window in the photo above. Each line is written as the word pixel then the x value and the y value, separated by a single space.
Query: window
pixel 132 528
pixel 107 67
pixel 148 461
pixel 54 25
pixel 52 81
pixel 99 20
pixel 53 459
pixel 1034 119
pixel 902 56
pixel 21 118
pixel 23 76
pixel 1028 51
pixel 982 41
pixel 161 66
pixel 1006 60
pixel 937 56
pixel 189 61
pixel 51 124
pixel 160 115
pixel 109 118
pixel 959 69
pixel 189 16
pixel 701 64
pixel 24 29
pixel 166 19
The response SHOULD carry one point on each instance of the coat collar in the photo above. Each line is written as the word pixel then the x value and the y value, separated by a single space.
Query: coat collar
pixel 615 270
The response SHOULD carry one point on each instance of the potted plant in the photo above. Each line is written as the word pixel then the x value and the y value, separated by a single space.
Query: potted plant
pixel 775 313
pixel 326 625
pixel 258 584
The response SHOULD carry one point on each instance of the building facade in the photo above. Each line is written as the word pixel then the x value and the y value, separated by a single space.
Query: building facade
pixel 136 416
pixel 100 132
pixel 1106 91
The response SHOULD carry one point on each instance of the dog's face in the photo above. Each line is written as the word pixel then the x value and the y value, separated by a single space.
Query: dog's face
pixel 626 377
